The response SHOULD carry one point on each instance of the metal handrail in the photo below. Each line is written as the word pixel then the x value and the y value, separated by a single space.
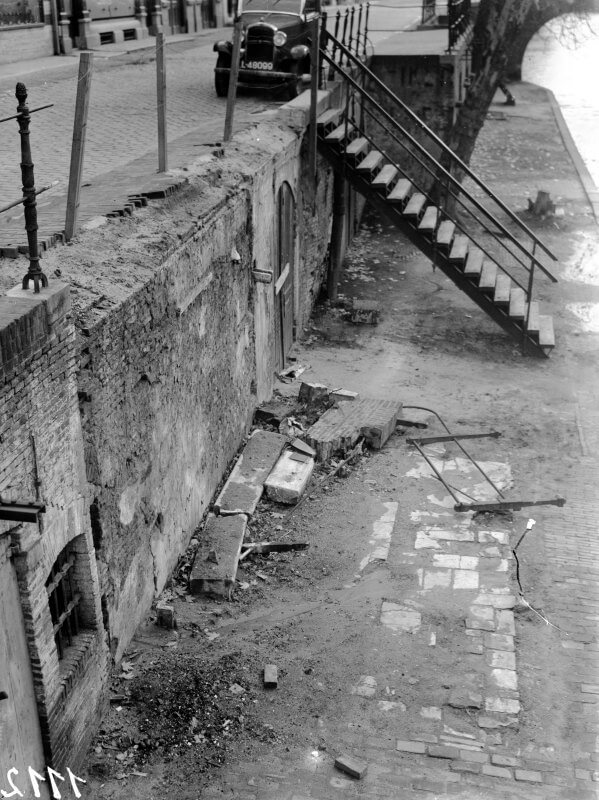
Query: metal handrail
pixel 438 141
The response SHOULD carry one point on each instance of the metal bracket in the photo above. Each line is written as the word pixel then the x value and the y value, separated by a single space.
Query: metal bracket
pixel 21 512
pixel 452 437
pixel 508 505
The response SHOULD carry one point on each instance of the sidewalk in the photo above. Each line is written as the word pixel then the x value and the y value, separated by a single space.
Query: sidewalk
pixel 400 635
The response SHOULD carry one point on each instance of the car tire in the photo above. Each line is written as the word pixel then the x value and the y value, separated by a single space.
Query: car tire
pixel 221 80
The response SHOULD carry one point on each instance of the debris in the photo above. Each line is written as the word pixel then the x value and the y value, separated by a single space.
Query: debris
pixel 312 392
pixel 365 312
pixel 212 556
pixel 236 688
pixel 262 576
pixel 351 766
pixel 208 577
pixel 272 413
pixel 302 447
pixel 289 477
pixel 165 615
pixel 271 677
pixel 291 373
pixel 542 206
pixel 262 548
pixel 342 394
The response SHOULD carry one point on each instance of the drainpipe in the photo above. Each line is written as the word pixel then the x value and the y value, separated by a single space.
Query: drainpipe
pixel 55 28
pixel 338 235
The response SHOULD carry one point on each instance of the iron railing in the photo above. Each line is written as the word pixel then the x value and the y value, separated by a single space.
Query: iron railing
pixel 458 20
pixel 349 27
pixel 474 208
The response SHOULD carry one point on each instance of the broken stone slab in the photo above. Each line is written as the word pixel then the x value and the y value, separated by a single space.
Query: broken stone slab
pixel 463 698
pixel 165 615
pixel 243 489
pixel 312 393
pixel 289 477
pixel 273 412
pixel 351 766
pixel 215 565
pixel 302 447
pixel 342 394
pixel 339 428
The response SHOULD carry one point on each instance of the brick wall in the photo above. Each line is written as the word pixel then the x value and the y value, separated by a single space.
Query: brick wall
pixel 25 42
pixel 41 442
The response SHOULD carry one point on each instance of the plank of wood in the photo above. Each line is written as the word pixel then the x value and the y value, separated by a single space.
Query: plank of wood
pixel 401 191
pixel 445 233
pixel 338 135
pixel 488 276
pixel 546 334
pixel 474 263
pixel 386 176
pixel 372 162
pixel 517 303
pixel 415 205
pixel 357 147
pixel 429 220
pixel 86 63
pixel 533 318
pixel 459 249
pixel 503 285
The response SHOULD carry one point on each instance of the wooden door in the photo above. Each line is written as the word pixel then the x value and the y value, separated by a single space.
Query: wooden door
pixel 284 269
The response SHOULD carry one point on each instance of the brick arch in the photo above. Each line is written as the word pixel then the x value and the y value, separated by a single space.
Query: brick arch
pixel 539 15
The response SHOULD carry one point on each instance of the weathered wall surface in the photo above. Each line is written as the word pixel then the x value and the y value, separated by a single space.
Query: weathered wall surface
pixel 41 443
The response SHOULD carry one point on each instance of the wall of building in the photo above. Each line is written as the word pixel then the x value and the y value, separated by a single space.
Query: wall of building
pixel 20 43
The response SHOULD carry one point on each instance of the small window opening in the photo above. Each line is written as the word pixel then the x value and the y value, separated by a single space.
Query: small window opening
pixel 64 601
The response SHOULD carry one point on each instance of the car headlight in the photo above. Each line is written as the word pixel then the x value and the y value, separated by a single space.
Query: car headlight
pixel 279 38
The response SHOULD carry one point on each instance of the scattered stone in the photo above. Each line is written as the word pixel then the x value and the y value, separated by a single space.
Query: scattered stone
pixel 225 536
pixel 271 676
pixel 165 615
pixel 431 712
pixel 304 448
pixel 342 394
pixel 289 477
pixel 366 686
pixel 502 705
pixel 273 412
pixel 352 766
pixel 312 393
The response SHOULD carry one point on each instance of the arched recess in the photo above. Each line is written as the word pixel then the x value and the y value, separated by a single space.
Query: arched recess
pixel 284 273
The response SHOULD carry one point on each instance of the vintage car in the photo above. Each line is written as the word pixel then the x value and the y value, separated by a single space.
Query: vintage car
pixel 275 50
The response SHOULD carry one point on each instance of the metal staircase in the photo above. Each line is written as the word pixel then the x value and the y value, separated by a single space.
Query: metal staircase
pixel 408 174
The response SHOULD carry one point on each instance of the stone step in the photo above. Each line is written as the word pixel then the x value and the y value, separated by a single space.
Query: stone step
pixel 415 205
pixel 357 148
pixel 429 221
pixel 215 565
pixel 340 428
pixel 386 178
pixel 401 192
pixel 340 134
pixel 517 303
pixel 488 276
pixel 546 334
pixel 371 163
pixel 459 249
pixel 329 119
pixel 289 477
pixel 503 287
pixel 243 489
pixel 474 263
pixel 445 234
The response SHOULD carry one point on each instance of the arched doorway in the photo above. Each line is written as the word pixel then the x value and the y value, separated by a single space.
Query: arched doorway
pixel 284 273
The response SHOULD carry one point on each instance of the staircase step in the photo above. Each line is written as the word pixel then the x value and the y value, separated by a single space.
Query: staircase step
pixel 429 220
pixel 329 119
pixel 474 263
pixel 546 335
pixel 503 285
pixel 517 303
pixel 533 318
pixel 371 163
pixel 385 177
pixel 415 205
pixel 340 133
pixel 357 148
pixel 401 191
pixel 488 276
pixel 445 233
pixel 459 249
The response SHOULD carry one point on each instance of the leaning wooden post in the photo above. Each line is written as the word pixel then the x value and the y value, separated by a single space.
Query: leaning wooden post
pixel 78 147
pixel 29 203
pixel 161 102
pixel 314 81
pixel 233 78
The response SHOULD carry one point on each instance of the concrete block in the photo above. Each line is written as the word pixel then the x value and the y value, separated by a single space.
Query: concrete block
pixel 289 477
pixel 215 565
pixel 271 676
pixel 165 615
pixel 501 659
pixel 352 766
pixel 296 113
pixel 243 489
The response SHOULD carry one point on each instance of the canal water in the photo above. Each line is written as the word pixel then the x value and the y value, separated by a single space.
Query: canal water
pixel 564 57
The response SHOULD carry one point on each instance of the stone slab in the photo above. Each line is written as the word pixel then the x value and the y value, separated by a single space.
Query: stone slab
pixel 215 565
pixel 243 489
pixel 351 766
pixel 340 427
pixel 289 477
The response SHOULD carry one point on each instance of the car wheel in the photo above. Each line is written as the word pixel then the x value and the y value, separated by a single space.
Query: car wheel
pixel 221 80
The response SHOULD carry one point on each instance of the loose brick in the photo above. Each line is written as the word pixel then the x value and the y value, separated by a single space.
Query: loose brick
pixel 528 775
pixel 410 747
pixel 271 676
pixel 352 766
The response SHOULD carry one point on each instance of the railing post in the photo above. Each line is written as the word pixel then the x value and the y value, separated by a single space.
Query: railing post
pixel 29 202
pixel 314 85
pixel 352 14
pixel 366 28
pixel 531 276
pixel 334 50
pixel 358 33
pixel 343 39
pixel 233 78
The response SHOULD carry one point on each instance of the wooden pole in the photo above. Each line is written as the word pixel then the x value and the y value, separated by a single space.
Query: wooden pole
pixel 86 63
pixel 161 102
pixel 314 81
pixel 233 78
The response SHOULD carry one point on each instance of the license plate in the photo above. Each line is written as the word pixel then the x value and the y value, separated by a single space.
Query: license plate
pixel 259 65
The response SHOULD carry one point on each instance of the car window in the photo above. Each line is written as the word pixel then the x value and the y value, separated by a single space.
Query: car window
pixel 290 6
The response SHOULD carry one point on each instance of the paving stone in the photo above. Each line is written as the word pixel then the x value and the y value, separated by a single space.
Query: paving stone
pixel 243 488
pixel 215 565
pixel 486 537
pixel 463 698
pixel 476 757
pixel 468 562
pixel 480 624
pixel 446 560
pixel 589 688
pixel 582 774
pixel 431 712
pixel 436 578
pixel 502 705
pixel 410 747
pixel 501 659
pixel 465 766
pixel 465 579
pixel 289 477
pixel 340 427
pixel 400 618
pixel 532 776
pixel 499 641
pixel 482 612
pixel 505 678
pixel 496 772
pixel 443 751
pixel 505 622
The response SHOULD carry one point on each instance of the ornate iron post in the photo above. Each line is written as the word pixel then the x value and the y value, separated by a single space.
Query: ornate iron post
pixel 29 202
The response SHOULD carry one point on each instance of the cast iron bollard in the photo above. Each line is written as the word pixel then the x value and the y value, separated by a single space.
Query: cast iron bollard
pixel 29 202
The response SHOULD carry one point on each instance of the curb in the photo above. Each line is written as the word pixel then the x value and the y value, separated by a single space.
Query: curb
pixel 586 179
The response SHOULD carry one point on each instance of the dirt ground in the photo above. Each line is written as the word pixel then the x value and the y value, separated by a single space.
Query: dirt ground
pixel 189 711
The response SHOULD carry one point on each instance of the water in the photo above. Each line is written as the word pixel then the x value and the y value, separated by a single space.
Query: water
pixel 564 57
